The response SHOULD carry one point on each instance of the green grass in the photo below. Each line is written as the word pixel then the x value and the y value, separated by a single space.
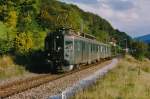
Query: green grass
pixel 130 80
pixel 9 69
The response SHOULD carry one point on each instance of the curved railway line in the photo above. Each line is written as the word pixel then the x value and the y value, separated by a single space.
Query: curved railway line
pixel 23 85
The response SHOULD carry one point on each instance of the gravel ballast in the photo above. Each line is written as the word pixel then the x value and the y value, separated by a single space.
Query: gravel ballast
pixel 57 86
pixel 17 78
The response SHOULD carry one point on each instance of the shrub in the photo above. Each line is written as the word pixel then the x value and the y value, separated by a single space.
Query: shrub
pixel 38 40
pixel 148 52
pixel 140 49
pixel 23 43
pixel 5 46
pixel 9 68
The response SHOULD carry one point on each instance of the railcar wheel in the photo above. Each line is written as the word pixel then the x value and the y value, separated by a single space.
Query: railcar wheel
pixel 97 61
pixel 89 62
pixel 77 66
pixel 51 65
pixel 68 68
pixel 52 68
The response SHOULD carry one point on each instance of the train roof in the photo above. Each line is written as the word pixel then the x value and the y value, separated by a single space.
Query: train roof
pixel 81 35
pixel 69 31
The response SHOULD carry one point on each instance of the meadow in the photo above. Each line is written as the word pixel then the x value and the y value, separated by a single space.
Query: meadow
pixel 129 80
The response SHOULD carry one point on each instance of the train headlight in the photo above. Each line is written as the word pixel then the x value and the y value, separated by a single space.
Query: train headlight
pixel 48 61
pixel 57 37
pixel 48 54
pixel 59 48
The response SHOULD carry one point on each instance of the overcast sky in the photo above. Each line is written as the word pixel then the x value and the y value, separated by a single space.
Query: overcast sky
pixel 131 16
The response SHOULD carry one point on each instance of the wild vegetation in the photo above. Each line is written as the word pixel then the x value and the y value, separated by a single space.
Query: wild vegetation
pixel 25 23
pixel 140 50
pixel 128 81
pixel 9 69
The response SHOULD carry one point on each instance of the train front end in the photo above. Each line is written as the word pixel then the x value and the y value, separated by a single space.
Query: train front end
pixel 55 51
pixel 54 48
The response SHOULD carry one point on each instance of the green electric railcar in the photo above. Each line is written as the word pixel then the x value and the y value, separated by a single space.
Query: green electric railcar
pixel 66 50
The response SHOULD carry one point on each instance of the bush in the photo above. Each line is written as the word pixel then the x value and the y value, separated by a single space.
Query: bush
pixel 38 40
pixel 140 50
pixel 9 68
pixel 23 43
pixel 5 46
pixel 148 52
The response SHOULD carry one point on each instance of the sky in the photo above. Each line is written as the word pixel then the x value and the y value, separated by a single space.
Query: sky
pixel 130 16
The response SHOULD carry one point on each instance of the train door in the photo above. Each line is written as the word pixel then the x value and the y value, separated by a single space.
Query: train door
pixel 98 57
pixel 83 51
pixel 78 53
pixel 68 50
pixel 102 53
pixel 89 51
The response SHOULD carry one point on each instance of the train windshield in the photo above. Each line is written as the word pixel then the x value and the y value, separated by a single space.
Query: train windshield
pixel 54 42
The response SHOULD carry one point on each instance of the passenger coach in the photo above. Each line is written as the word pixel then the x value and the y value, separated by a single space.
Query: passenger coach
pixel 66 49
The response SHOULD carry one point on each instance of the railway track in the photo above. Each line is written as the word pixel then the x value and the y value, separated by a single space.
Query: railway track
pixel 23 85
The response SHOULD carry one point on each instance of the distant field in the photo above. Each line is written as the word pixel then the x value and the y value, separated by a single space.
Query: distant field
pixel 130 80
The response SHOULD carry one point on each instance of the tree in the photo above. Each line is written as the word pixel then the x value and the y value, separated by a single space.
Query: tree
pixel 27 12
pixel 139 49
pixel 103 36
pixel 148 52
pixel 23 43
pixel 12 19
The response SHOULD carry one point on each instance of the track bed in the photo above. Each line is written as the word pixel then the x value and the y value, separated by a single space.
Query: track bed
pixel 23 87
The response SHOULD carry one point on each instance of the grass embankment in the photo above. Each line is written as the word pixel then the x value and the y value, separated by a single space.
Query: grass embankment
pixel 8 68
pixel 130 80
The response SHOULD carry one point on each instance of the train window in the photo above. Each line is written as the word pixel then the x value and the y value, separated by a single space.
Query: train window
pixel 78 45
pixel 101 48
pixel 68 44
pixel 96 48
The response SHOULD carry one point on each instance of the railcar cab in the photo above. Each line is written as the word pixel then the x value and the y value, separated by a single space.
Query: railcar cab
pixel 59 50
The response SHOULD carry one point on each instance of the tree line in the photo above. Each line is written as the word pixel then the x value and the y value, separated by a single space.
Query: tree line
pixel 25 23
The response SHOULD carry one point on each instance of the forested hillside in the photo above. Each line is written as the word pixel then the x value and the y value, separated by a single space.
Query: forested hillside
pixel 145 38
pixel 25 23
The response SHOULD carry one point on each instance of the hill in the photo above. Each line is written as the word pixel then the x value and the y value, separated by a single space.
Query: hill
pixel 145 38
pixel 30 20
